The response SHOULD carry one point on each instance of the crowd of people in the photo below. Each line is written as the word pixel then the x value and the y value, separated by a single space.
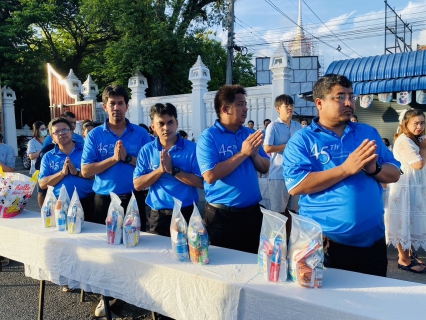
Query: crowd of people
pixel 331 170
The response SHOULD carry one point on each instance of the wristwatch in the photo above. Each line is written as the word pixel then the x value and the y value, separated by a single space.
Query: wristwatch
pixel 128 159
pixel 175 171
pixel 375 173
pixel 78 173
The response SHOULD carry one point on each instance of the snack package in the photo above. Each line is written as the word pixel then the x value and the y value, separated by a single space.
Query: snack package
pixel 178 233
pixel 75 214
pixel 198 239
pixel 114 220
pixel 15 192
pixel 132 224
pixel 306 253
pixel 272 251
pixel 48 209
pixel 61 209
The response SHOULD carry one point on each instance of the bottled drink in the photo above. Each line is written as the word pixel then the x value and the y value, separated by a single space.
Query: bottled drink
pixel 62 221
pixel 181 247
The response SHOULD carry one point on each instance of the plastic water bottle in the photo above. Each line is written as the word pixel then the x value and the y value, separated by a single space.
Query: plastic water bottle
pixel 62 221
pixel 181 247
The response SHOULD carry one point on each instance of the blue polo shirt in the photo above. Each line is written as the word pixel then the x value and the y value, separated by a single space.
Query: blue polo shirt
pixel 240 188
pixel 351 211
pixel 76 137
pixel 53 162
pixel 161 193
pixel 99 145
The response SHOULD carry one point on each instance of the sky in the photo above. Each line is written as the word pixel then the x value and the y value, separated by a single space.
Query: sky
pixel 358 27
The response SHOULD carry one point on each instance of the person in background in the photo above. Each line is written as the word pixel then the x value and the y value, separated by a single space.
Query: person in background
pixel 304 122
pixel 229 155
pixel 168 166
pixel 7 156
pixel 336 167
pixel 73 120
pixel 183 134
pixel 36 143
pixel 250 124
pixel 387 143
pixel 405 216
pixel 87 127
pixel 110 152
pixel 354 118
pixel 266 123
pixel 277 135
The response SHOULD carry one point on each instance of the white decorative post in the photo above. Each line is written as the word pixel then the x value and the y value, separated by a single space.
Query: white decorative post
pixel 9 126
pixel 89 89
pixel 74 84
pixel 280 65
pixel 199 75
pixel 138 84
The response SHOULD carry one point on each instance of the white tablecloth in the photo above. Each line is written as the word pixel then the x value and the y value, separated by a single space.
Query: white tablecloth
pixel 228 288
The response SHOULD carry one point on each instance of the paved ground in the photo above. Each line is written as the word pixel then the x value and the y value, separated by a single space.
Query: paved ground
pixel 19 295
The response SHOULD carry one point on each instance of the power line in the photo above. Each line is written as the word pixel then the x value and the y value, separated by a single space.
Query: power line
pixel 280 11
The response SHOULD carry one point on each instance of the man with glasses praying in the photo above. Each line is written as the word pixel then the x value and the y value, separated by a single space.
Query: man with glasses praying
pixel 276 137
pixel 336 167
pixel 62 166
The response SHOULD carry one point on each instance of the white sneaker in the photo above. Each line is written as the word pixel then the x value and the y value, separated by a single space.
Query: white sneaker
pixel 100 309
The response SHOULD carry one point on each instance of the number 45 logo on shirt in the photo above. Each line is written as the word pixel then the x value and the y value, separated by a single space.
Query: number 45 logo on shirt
pixel 229 150
pixel 322 156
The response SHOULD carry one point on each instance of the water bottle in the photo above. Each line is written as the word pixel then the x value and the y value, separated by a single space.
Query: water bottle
pixel 276 259
pixel 62 221
pixel 72 220
pixel 181 247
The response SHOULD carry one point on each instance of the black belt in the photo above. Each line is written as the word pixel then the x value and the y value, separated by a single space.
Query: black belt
pixel 231 209
pixel 121 196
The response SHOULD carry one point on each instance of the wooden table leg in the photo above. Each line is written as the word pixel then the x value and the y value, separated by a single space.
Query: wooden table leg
pixel 41 299
pixel 154 316
pixel 82 295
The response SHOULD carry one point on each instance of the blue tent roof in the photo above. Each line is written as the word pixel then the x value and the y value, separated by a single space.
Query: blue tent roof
pixel 387 73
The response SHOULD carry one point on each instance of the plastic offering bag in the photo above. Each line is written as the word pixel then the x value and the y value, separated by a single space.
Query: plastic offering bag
pixel 114 220
pixel 272 251
pixel 75 214
pixel 48 209
pixel 198 239
pixel 306 253
pixel 61 209
pixel 132 224
pixel 178 233
pixel 15 192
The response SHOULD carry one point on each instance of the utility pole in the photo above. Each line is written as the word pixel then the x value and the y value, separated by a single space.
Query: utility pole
pixel 230 46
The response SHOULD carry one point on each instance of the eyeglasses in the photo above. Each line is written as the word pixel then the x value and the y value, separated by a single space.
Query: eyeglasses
pixel 63 131
pixel 288 107
pixel 342 97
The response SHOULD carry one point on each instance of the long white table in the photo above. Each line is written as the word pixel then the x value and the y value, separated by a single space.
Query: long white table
pixel 228 288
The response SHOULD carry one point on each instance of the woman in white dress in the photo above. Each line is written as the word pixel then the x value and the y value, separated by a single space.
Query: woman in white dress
pixel 405 216
pixel 36 144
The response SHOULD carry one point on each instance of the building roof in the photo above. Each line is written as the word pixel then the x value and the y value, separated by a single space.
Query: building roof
pixel 386 73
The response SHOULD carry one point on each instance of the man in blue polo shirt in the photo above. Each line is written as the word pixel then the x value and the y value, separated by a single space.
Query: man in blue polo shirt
pixel 168 166
pixel 109 154
pixel 337 167
pixel 229 155
pixel 62 165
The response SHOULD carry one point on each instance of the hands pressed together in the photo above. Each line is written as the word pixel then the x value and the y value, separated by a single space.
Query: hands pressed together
pixel 68 168
pixel 364 157
pixel 120 152
pixel 252 144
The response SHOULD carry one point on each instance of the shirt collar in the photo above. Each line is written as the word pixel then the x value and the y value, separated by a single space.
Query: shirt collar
pixel 78 146
pixel 280 121
pixel 179 143
pixel 128 125
pixel 222 129
pixel 314 126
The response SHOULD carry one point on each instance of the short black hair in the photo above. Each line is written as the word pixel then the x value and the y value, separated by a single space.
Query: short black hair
pixel 264 121
pixel 283 99
pixel 144 126
pixel 325 84
pixel 225 96
pixel 182 133
pixel 115 90
pixel 68 114
pixel 160 109
pixel 58 120
pixel 251 121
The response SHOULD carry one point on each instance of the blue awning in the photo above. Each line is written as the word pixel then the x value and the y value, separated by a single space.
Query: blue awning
pixel 387 73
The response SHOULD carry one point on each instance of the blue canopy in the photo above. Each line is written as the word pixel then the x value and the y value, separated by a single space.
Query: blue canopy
pixel 387 73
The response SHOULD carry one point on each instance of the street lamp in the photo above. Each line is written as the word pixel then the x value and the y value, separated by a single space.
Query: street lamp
pixel 22 125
